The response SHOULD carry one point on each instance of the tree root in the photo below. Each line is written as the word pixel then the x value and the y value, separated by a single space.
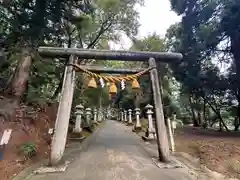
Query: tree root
pixel 6 115
pixel 7 108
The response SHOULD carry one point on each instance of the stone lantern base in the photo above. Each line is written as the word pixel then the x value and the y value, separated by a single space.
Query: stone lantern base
pixel 137 129
pixel 77 136
pixel 149 136
pixel 96 122
pixel 145 138
pixel 129 124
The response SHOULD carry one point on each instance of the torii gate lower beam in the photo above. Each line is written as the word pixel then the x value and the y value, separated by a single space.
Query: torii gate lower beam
pixel 62 121
pixel 100 69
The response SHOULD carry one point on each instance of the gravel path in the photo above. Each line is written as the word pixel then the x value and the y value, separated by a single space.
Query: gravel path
pixel 115 154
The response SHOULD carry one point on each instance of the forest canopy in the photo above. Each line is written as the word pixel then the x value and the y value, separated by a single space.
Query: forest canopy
pixel 197 89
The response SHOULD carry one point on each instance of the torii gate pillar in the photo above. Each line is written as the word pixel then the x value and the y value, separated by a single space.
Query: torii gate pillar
pixel 63 115
pixel 162 139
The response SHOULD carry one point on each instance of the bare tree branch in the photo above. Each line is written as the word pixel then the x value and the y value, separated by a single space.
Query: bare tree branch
pixel 224 50
pixel 80 40
pixel 102 30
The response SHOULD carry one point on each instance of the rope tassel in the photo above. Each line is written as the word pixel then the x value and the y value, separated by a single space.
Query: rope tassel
pixel 113 89
pixel 101 82
pixel 135 84
pixel 92 83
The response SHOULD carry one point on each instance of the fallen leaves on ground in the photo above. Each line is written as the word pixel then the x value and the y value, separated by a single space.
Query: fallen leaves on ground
pixel 219 151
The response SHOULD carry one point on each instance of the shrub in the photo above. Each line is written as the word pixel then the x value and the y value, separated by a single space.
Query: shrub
pixel 29 150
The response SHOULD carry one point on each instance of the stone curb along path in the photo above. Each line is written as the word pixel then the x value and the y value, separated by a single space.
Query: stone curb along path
pixel 68 157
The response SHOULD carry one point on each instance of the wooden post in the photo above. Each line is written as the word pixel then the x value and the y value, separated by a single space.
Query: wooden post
pixel 100 111
pixel 171 137
pixel 174 123
pixel 63 115
pixel 162 139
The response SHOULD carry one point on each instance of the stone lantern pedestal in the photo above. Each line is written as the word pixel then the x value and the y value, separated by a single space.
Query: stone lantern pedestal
pixel 138 126
pixel 130 122
pixel 150 134
pixel 77 131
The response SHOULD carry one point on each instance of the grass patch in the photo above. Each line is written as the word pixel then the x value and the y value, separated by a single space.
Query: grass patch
pixel 86 133
pixel 144 124
pixel 29 150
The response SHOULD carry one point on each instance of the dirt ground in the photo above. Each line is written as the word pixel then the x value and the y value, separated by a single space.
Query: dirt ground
pixel 26 130
pixel 219 151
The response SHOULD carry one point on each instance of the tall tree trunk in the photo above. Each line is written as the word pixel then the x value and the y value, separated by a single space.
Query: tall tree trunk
pixel 205 124
pixel 235 44
pixel 194 118
pixel 221 122
pixel 19 82
pixel 236 123
pixel 220 125
pixel 200 118
pixel 4 65
pixel 237 119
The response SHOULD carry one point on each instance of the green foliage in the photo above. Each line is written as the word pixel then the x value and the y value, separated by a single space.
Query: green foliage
pixel 91 97
pixel 203 37
pixel 208 33
pixel 155 43
pixel 86 24
pixel 29 150
pixel 127 100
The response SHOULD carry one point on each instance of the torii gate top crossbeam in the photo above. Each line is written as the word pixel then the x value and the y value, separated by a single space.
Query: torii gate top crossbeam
pixel 109 54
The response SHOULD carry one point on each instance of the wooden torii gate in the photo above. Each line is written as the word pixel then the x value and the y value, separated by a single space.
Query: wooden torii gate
pixel 65 103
